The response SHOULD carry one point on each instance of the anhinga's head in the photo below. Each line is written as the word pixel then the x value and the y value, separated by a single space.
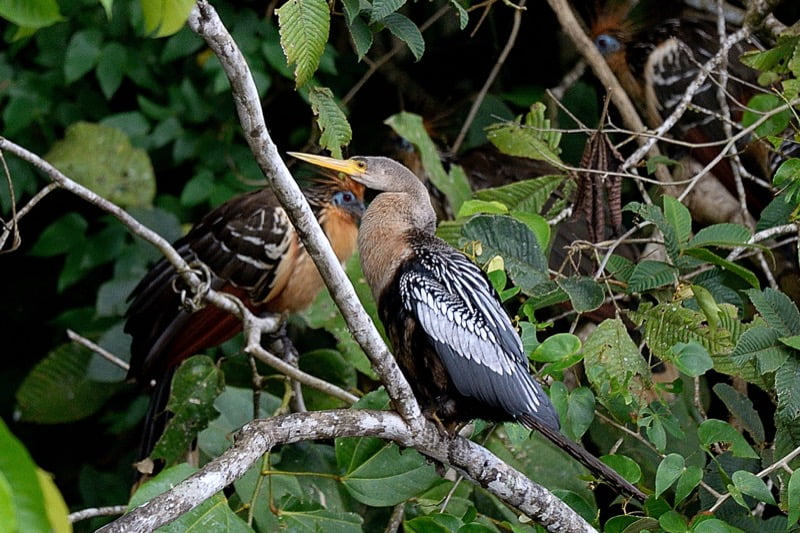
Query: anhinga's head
pixel 379 173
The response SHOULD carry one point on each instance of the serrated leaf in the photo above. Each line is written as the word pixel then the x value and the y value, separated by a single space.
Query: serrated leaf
pixel 27 14
pixel 722 235
pixel 304 26
pixel 778 310
pixel 514 138
pixel 362 36
pixel 653 213
pixel 525 196
pixel 196 385
pixel 454 184
pixel 613 363
pixel 584 293
pixel 651 275
pixel 382 8
pixel 741 407
pixel 379 474
pixel 58 390
pixel 334 127
pixel 515 242
pixel 669 470
pixel 712 431
pixel 752 485
pixel 404 29
pixel 787 387
pixel 165 17
pixel 352 8
pixel 116 171
pixel 793 497
pixel 775 59
pixel 463 16
pixel 679 218
pixel 761 346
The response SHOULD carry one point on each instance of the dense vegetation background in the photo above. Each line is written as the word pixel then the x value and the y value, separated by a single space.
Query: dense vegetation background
pixel 689 383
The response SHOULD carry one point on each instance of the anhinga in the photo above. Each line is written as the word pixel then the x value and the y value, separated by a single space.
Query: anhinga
pixel 452 339
pixel 252 251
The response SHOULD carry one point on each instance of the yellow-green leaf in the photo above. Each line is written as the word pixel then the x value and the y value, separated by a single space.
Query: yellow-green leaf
pixel 165 17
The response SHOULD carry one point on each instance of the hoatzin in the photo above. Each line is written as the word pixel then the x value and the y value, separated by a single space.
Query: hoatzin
pixel 451 336
pixel 252 251
pixel 656 51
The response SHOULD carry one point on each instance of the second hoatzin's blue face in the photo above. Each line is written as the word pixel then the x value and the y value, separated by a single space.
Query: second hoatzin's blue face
pixel 348 201
pixel 607 44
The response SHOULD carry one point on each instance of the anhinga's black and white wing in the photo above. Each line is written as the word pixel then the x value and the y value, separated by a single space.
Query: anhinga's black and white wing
pixel 458 309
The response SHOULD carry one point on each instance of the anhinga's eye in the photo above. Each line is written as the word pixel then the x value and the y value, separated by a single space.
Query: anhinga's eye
pixel 362 166
pixel 607 44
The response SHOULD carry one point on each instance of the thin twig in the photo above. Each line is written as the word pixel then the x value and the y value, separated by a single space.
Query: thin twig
pixel 99 350
pixel 93 512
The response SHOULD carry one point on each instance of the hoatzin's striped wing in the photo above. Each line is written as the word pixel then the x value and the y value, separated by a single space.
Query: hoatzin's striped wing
pixel 242 242
pixel 458 309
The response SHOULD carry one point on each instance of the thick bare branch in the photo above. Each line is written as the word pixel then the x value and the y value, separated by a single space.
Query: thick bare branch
pixel 260 436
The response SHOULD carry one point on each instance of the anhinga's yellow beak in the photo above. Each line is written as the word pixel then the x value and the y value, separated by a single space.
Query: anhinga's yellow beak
pixel 347 166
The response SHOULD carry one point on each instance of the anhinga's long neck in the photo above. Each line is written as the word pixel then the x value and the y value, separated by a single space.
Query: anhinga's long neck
pixel 392 220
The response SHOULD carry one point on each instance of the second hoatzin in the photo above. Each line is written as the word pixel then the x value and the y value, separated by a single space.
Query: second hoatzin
pixel 452 338
pixel 252 251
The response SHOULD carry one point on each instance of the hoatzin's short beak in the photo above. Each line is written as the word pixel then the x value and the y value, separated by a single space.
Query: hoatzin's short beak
pixel 347 166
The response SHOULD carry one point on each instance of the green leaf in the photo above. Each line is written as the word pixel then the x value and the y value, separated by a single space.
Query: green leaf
pixel 580 411
pixel 758 106
pixel 515 243
pixel 792 341
pixel 382 8
pixel 613 363
pixel 111 68
pixel 8 514
pixel 712 431
pixel 673 522
pixel 20 472
pixel 778 310
pixel 334 127
pixel 534 140
pixel 304 26
pixel 537 224
pixel 57 511
pixel 116 171
pixel 83 51
pixel 775 59
pixel 304 517
pixel 404 29
pixel 679 218
pixel 651 275
pixel 668 472
pixel 463 16
pixel 624 466
pixel 58 390
pixel 653 213
pixel 474 207
pixel 556 347
pixel 454 184
pixel 793 497
pixel 196 385
pixel 691 359
pixel 712 525
pixel 722 235
pixel 214 514
pixel 28 14
pixel 61 236
pixel 752 485
pixel 379 474
pixel 690 478
pixel 710 257
pixel 584 292
pixel 741 407
pixel 162 18
pixel 787 174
